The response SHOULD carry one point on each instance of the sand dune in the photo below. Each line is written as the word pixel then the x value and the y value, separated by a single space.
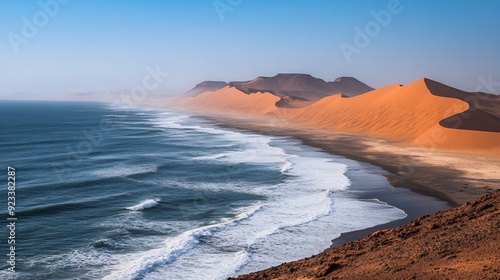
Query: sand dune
pixel 396 111
pixel 232 100
pixel 483 112
pixel 295 90
pixel 459 139
pixel 411 114
pixel 205 86
pixel 425 114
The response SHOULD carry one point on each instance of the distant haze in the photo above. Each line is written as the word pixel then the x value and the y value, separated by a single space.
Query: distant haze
pixel 84 46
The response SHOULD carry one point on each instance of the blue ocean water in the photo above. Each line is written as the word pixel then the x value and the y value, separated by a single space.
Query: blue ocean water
pixel 112 192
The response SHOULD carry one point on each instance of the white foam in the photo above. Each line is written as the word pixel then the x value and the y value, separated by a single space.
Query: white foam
pixel 152 258
pixel 142 263
pixel 148 203
pixel 287 165
pixel 180 121
pixel 78 260
pixel 256 148
pixel 210 157
pixel 219 265
pixel 301 200
pixel 309 199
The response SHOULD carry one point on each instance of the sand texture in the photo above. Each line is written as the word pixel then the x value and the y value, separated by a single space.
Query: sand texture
pixel 424 114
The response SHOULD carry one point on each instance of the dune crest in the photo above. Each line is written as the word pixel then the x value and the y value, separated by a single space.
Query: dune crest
pixel 483 113
pixel 425 114
pixel 204 87
pixel 232 100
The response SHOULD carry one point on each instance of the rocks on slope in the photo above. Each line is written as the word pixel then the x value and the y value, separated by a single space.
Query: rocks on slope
pixel 461 243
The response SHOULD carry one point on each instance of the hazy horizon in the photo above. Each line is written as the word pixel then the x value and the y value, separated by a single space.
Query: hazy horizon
pixel 54 46
pixel 125 165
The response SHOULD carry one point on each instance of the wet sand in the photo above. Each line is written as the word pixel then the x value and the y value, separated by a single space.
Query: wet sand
pixel 453 177
pixel 424 181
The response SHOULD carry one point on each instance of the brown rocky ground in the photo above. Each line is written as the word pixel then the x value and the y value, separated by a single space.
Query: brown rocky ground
pixel 461 243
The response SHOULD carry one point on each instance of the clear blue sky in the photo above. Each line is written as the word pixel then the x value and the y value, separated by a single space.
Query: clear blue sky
pixel 106 45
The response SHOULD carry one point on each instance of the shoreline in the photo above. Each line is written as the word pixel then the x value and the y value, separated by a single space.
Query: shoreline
pixel 417 194
pixel 369 183
pixel 414 204
pixel 449 176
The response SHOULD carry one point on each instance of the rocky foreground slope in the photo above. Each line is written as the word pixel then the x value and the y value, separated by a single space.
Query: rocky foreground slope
pixel 461 243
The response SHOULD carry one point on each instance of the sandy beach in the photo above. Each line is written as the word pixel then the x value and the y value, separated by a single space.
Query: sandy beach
pixel 217 140
pixel 450 176
pixel 429 137
pixel 426 137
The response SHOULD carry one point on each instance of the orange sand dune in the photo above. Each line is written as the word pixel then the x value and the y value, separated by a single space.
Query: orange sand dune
pixel 400 112
pixel 232 100
pixel 459 139
pixel 409 114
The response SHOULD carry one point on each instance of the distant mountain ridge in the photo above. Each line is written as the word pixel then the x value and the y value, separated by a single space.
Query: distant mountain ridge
pixel 350 86
pixel 302 87
pixel 425 113
pixel 206 86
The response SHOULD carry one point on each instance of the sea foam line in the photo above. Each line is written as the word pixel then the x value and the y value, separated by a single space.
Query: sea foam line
pixel 210 157
pixel 148 203
pixel 173 248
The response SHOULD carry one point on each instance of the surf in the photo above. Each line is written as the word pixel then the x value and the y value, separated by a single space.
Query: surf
pixel 148 203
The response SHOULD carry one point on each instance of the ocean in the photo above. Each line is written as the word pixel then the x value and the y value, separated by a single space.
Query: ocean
pixel 111 192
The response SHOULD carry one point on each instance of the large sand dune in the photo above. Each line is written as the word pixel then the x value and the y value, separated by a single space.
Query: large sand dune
pixel 232 100
pixel 483 112
pixel 426 114
pixel 205 86
pixel 394 111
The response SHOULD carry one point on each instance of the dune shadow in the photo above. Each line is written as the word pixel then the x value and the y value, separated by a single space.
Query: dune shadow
pixel 483 113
